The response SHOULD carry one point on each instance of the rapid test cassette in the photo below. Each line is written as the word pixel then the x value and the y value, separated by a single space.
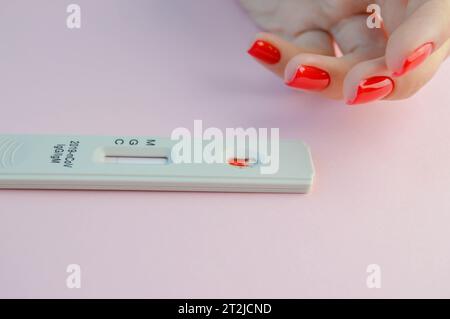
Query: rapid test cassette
pixel 143 163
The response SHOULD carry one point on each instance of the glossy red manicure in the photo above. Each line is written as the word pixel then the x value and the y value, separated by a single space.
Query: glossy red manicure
pixel 372 89
pixel 416 58
pixel 265 52
pixel 310 78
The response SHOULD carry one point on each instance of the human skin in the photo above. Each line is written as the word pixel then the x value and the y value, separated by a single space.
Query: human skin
pixel 392 62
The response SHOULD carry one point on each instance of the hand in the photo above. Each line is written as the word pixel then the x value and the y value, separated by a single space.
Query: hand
pixel 392 62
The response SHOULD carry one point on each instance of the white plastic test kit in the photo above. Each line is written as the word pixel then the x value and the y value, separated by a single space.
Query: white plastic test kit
pixel 139 163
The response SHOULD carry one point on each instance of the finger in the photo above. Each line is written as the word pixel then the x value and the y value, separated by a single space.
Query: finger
pixel 288 18
pixel 367 82
pixel 262 12
pixel 274 52
pixel 352 34
pixel 326 74
pixel 409 84
pixel 315 41
pixel 259 7
pixel 319 73
pixel 370 81
pixel 425 30
pixel 392 13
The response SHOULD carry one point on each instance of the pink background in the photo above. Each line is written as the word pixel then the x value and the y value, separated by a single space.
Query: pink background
pixel 146 67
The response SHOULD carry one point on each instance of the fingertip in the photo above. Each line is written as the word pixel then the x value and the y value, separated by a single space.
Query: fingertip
pixel 316 73
pixel 265 51
pixel 372 89
pixel 308 77
pixel 272 52
pixel 368 81
pixel 415 59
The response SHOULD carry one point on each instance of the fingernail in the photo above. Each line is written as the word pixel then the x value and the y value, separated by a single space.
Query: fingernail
pixel 416 58
pixel 265 52
pixel 310 78
pixel 373 89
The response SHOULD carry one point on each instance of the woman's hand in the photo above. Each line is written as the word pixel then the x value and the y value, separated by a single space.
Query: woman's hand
pixel 392 62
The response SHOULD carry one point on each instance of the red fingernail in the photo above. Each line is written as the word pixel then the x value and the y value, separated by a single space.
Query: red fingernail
pixel 372 89
pixel 416 58
pixel 265 52
pixel 310 78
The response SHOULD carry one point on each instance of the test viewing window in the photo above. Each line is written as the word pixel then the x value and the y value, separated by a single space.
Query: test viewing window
pixel 136 160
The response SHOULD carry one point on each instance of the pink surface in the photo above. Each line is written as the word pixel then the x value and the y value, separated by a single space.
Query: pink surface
pixel 146 67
